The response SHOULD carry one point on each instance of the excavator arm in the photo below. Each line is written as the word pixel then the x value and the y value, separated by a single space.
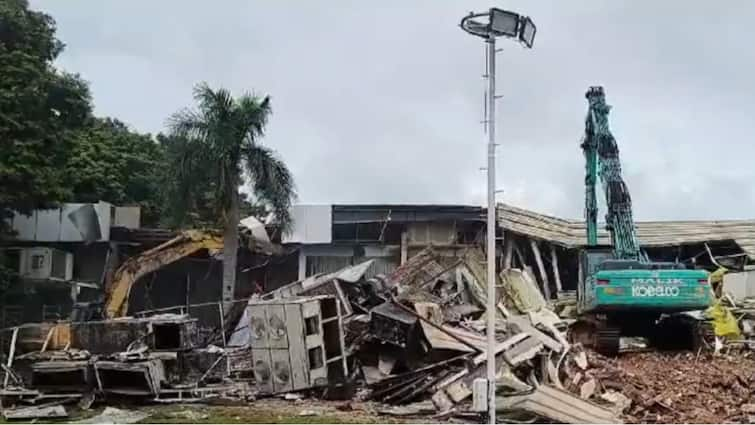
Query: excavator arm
pixel 185 244
pixel 602 155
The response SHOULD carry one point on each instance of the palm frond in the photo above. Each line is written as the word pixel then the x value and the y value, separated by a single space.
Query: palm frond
pixel 222 136
pixel 271 182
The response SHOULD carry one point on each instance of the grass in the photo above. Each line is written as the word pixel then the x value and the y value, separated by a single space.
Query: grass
pixel 249 414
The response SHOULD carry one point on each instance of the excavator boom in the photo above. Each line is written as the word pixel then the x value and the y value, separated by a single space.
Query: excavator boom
pixel 602 159
pixel 185 244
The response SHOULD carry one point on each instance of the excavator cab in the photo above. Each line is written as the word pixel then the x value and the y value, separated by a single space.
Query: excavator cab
pixel 590 260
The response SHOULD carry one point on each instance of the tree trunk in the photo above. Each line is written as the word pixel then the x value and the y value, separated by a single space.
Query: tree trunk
pixel 230 252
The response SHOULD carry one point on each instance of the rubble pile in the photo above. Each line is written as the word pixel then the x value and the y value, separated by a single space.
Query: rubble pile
pixel 413 342
pixel 677 388
pixel 424 340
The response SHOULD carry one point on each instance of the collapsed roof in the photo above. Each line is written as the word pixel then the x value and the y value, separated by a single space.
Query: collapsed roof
pixel 572 233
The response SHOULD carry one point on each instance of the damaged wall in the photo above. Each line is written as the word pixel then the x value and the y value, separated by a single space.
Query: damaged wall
pixel 40 300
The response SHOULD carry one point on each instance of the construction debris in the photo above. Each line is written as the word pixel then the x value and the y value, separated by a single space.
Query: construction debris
pixel 676 388
pixel 111 415
pixel 412 341
pixel 557 405
pixel 36 412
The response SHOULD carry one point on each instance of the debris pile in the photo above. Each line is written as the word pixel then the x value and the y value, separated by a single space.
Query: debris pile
pixel 674 388
pixel 744 311
pixel 418 335
pixel 412 341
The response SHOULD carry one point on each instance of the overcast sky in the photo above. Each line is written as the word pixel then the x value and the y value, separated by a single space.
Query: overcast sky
pixel 380 102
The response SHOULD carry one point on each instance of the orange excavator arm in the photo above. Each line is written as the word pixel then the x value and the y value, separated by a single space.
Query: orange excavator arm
pixel 183 245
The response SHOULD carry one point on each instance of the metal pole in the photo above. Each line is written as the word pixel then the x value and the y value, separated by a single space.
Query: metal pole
pixel 491 230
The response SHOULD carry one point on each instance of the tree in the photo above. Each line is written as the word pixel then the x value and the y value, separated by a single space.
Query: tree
pixel 218 143
pixel 41 108
pixel 110 162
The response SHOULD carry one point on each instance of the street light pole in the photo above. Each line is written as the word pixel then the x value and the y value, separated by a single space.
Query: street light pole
pixel 512 25
pixel 491 307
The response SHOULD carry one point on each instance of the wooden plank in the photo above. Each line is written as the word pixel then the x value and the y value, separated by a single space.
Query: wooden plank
pixel 404 246
pixel 541 268
pixel 295 327
pixel 556 274
pixel 47 340
pixel 508 250
pixel 11 354
pixel 519 255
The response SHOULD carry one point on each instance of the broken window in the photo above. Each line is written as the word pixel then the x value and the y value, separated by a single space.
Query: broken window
pixel 37 262
pixel 167 336
pixel 312 325
pixel 315 358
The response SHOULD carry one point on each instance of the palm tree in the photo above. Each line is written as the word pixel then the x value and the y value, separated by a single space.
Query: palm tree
pixel 213 148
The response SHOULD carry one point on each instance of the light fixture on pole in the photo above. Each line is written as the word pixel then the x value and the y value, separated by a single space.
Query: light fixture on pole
pixel 495 23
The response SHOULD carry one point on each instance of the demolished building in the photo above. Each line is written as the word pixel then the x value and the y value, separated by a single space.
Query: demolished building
pixel 392 317
pixel 550 245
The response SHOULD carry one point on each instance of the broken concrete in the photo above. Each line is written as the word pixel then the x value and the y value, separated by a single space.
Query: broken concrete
pixel 557 405
pixel 36 412
pixel 111 415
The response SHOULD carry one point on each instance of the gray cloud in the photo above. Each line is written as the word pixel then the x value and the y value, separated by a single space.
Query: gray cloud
pixel 381 101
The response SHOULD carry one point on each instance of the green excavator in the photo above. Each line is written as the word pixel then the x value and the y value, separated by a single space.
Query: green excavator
pixel 623 292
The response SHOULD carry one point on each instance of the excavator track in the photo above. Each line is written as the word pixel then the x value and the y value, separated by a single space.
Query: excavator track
pixel 705 336
pixel 607 341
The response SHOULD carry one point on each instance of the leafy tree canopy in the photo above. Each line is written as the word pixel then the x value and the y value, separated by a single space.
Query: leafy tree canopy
pixel 110 162
pixel 41 109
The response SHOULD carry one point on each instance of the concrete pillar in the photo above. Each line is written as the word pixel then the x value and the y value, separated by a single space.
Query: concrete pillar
pixel 302 264
pixel 404 246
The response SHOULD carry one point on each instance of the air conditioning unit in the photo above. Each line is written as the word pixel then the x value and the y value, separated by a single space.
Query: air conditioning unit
pixel 45 263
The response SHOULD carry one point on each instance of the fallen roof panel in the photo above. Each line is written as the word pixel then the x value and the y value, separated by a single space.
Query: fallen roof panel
pixel 572 233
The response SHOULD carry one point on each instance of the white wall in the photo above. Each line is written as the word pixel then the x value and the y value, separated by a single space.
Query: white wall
pixel 55 225
pixel 312 224
pixel 740 285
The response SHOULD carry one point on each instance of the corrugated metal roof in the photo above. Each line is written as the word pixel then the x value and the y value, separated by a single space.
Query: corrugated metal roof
pixel 572 233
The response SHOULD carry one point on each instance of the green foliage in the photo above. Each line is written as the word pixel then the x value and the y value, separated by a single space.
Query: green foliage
pixel 53 149
pixel 110 162
pixel 212 149
pixel 40 110
pixel 190 189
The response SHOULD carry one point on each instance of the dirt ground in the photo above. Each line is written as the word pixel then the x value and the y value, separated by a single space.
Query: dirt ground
pixel 682 387
pixel 271 411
